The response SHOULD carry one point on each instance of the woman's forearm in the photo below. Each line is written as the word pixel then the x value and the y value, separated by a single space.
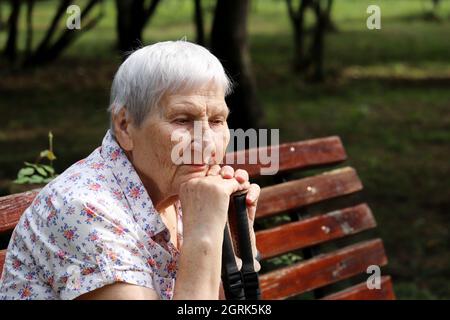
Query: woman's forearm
pixel 199 267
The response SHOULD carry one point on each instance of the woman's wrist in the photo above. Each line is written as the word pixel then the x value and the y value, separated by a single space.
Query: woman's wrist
pixel 204 237
pixel 199 268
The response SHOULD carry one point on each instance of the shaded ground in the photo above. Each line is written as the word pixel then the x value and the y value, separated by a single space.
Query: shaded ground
pixel 387 96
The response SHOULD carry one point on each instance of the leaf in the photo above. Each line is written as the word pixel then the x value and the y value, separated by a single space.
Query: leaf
pixel 36 179
pixel 25 172
pixel 48 154
pixel 47 180
pixel 49 169
pixel 42 171
pixel 31 164
pixel 44 153
pixel 21 180
pixel 40 168
pixel 51 156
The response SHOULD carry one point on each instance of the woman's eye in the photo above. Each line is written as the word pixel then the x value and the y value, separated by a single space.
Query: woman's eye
pixel 181 121
pixel 217 122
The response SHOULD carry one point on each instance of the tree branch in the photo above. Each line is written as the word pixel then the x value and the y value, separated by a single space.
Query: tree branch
pixel 53 26
pixel 148 13
pixel 66 38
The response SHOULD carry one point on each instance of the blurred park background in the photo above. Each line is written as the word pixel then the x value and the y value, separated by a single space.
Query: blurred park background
pixel 311 74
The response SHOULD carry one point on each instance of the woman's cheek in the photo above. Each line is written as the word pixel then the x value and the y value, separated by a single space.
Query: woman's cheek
pixel 180 145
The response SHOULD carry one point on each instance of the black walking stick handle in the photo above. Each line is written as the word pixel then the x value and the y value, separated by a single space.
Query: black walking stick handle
pixel 243 234
pixel 247 281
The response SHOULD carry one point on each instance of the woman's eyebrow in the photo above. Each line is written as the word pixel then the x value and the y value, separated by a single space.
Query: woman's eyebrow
pixel 184 107
pixel 225 111
pixel 187 106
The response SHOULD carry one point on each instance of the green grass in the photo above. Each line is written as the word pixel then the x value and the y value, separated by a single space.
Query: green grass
pixel 386 96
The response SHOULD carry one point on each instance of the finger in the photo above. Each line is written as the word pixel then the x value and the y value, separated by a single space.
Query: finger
pixel 256 264
pixel 253 194
pixel 242 186
pixel 251 211
pixel 214 170
pixel 232 185
pixel 227 172
pixel 238 262
pixel 251 219
pixel 241 175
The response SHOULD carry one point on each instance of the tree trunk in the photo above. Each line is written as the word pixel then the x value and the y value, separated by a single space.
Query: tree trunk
pixel 198 18
pixel 132 16
pixel 310 61
pixel 435 8
pixel 29 37
pixel 229 44
pixel 297 18
pixel 435 5
pixel 40 52
pixel 129 24
pixel 317 49
pixel 11 44
pixel 2 25
pixel 329 24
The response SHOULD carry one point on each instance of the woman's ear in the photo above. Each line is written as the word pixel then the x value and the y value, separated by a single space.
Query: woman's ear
pixel 123 130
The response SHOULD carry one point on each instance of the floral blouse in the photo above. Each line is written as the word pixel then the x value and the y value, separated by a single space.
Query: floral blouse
pixel 92 226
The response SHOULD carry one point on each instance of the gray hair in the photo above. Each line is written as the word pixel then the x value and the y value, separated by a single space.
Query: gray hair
pixel 162 68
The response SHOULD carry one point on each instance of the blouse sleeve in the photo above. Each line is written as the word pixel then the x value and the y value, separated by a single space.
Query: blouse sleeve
pixel 80 246
pixel 99 246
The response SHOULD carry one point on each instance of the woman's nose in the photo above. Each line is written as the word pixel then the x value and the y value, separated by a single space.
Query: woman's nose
pixel 209 146
pixel 203 144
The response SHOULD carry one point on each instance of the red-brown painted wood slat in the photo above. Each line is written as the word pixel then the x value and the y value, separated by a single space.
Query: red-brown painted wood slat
pixel 301 192
pixel 293 155
pixel 322 270
pixel 12 207
pixel 2 260
pixel 362 292
pixel 315 230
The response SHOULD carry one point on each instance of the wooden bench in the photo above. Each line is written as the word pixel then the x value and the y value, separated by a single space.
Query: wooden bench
pixel 306 217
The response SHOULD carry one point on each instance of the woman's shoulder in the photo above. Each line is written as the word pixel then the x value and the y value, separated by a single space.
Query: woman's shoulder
pixel 84 193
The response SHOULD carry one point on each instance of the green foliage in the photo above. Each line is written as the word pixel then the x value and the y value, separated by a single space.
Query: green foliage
pixel 37 173
pixel 285 260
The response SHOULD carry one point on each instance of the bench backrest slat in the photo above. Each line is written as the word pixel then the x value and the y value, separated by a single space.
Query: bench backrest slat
pixel 362 292
pixel 315 230
pixel 302 192
pixel 2 260
pixel 322 270
pixel 292 156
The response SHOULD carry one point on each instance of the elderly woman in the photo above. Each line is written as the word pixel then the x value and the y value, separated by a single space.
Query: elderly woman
pixel 129 222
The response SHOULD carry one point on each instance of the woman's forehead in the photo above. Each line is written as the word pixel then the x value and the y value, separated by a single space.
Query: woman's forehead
pixel 196 98
pixel 213 101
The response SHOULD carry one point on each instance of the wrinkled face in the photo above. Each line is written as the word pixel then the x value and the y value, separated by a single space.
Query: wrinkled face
pixel 180 140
